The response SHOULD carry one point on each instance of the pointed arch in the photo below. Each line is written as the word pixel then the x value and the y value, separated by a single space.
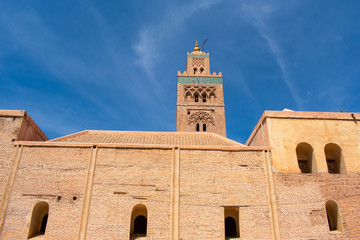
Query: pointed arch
pixel 204 97
pixel 188 96
pixel 305 157
pixel 38 221
pixel 139 215
pixel 212 97
pixel 196 97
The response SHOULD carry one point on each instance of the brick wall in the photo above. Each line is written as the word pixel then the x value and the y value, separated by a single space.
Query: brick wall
pixel 210 180
pixel 43 174
pixel 301 202
pixel 9 128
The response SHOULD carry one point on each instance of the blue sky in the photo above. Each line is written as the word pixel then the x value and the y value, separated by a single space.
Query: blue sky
pixel 112 65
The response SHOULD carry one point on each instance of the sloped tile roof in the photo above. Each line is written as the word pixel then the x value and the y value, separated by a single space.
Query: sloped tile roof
pixel 148 138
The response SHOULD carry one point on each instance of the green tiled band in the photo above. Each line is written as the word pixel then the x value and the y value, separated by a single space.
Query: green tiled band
pixel 200 80
pixel 198 56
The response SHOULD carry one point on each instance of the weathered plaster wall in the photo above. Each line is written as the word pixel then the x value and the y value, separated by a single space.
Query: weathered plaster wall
pixel 285 134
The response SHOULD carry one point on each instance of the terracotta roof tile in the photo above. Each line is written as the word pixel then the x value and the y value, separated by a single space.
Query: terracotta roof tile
pixel 149 138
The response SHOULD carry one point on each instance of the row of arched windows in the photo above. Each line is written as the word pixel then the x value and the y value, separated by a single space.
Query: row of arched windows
pixel 196 97
pixel 40 213
pixel 199 97
pixel 333 157
pixel 231 219
pixel 138 227
pixel 198 127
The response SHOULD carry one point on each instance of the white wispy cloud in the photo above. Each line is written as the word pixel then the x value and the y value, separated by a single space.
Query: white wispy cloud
pixel 258 13
pixel 150 36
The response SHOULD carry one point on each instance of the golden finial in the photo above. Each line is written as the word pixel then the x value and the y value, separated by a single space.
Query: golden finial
pixel 196 46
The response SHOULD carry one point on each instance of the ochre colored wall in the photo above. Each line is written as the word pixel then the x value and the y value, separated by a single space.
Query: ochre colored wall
pixel 124 178
pixel 9 128
pixel 285 134
pixel 210 180
pixel 216 109
pixel 301 202
pixel 43 174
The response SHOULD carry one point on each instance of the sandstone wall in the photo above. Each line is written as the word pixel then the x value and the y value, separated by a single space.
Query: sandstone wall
pixel 124 178
pixel 9 129
pixel 44 173
pixel 212 180
pixel 301 202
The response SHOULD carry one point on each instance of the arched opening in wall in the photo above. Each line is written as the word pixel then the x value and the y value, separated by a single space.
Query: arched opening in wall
pixel 38 220
pixel 204 127
pixel 333 216
pixel 187 97
pixel 334 161
pixel 195 70
pixel 212 97
pixel 201 69
pixel 196 96
pixel 204 97
pixel 231 219
pixel 138 226
pixel 197 127
pixel 305 155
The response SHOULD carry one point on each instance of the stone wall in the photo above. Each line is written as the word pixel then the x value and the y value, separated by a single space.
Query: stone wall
pixel 301 202
pixel 212 180
pixel 44 174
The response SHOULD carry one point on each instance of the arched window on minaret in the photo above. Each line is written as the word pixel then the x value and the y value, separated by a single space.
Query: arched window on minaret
pixel 212 97
pixel 197 127
pixel 204 127
pixel 196 97
pixel 201 69
pixel 204 97
pixel 187 97
pixel 195 69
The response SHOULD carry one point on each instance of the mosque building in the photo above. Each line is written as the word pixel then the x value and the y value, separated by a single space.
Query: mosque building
pixel 296 177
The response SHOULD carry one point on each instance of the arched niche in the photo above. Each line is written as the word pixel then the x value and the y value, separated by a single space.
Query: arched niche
pixel 334 159
pixel 333 216
pixel 305 158
pixel 139 218
pixel 38 221
pixel 231 221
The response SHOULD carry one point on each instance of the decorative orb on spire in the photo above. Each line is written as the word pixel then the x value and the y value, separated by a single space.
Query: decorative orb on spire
pixel 196 47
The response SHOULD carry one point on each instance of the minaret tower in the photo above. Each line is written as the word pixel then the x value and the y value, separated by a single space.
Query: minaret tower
pixel 200 99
